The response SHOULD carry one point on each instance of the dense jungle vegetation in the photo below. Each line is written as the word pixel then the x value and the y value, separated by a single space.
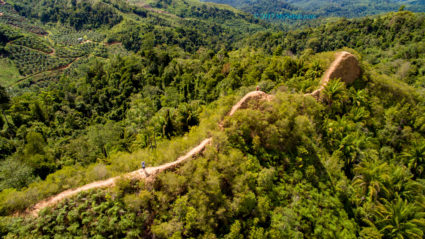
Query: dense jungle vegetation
pixel 323 8
pixel 89 89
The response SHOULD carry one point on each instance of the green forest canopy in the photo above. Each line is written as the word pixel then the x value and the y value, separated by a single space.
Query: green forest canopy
pixel 148 85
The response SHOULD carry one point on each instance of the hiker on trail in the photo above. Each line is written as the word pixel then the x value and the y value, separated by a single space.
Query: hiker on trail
pixel 144 170
pixel 258 88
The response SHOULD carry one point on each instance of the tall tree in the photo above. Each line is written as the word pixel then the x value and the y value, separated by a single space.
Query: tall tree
pixel 168 127
pixel 4 102
pixel 415 156
pixel 401 219
pixel 371 176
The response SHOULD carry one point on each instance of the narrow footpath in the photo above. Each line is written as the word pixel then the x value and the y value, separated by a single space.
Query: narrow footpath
pixel 345 66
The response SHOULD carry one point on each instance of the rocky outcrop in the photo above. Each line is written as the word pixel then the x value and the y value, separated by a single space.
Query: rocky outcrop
pixel 346 67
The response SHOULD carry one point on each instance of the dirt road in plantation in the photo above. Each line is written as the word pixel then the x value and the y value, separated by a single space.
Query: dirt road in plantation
pixel 334 71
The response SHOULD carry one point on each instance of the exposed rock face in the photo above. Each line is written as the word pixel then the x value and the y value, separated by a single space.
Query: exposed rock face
pixel 346 67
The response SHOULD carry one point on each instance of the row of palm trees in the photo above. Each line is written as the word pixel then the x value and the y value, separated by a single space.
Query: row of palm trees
pixel 389 196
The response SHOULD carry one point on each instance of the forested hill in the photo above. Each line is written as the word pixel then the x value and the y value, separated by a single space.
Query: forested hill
pixel 259 7
pixel 323 8
pixel 86 79
pixel 393 43
pixel 41 39
pixel 90 89
pixel 347 8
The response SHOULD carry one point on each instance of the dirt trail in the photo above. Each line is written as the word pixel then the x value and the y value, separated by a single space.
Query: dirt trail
pixel 65 66
pixel 53 51
pixel 141 174
pixel 254 95
pixel 150 172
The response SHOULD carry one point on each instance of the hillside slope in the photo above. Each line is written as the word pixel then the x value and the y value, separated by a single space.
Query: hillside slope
pixel 42 39
pixel 296 161
pixel 75 80
pixel 347 163
pixel 392 43
pixel 344 67
pixel 322 8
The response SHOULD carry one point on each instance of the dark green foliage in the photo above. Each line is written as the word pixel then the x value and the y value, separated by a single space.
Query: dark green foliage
pixel 396 28
pixel 293 167
pixel 96 215
pixel 393 43
pixel 12 18
pixel 31 61
pixel 147 84
pixel 322 8
pixel 7 34
pixel 4 102
pixel 4 99
pixel 82 15
pixel 34 43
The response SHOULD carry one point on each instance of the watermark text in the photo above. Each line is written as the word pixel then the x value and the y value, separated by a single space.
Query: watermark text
pixel 280 16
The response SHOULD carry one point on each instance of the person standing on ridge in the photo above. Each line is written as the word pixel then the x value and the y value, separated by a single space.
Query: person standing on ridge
pixel 144 169
pixel 258 88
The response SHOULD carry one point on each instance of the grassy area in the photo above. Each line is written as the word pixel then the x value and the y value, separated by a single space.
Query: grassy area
pixel 9 74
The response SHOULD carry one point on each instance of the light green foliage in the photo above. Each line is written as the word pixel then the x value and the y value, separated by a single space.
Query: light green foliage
pixel 14 174
pixel 150 83
pixel 293 167
pixel 9 73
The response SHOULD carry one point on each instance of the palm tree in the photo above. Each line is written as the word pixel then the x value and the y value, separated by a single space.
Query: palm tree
pixel 359 96
pixel 401 183
pixel 334 94
pixel 333 90
pixel 168 127
pixel 415 157
pixel 371 176
pixel 353 146
pixel 400 219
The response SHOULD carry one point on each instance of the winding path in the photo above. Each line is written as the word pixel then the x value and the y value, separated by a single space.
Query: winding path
pixel 150 172
pixel 140 174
